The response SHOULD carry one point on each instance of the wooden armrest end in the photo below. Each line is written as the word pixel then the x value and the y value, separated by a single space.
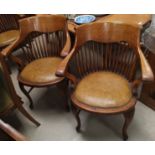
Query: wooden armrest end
pixel 147 73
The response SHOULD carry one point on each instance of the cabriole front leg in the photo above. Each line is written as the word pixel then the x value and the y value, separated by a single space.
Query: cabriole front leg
pixel 128 118
pixel 76 113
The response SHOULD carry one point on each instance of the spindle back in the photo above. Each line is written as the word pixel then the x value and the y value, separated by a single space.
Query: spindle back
pixel 42 36
pixel 105 46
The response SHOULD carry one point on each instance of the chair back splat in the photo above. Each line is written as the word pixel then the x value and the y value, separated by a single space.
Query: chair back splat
pixel 41 37
pixel 110 47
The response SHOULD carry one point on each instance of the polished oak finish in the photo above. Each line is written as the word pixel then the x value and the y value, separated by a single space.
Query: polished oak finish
pixel 111 50
pixel 133 19
pixel 43 42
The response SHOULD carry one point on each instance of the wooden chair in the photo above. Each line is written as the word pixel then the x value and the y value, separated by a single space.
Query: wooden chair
pixel 101 67
pixel 43 42
pixel 9 100
pixel 13 133
pixel 8 29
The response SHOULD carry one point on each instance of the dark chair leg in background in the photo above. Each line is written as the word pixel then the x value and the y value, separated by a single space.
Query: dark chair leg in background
pixel 27 95
pixel 76 113
pixel 63 87
pixel 128 118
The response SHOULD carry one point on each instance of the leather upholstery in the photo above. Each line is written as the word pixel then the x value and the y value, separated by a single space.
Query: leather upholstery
pixel 103 89
pixel 8 37
pixel 41 70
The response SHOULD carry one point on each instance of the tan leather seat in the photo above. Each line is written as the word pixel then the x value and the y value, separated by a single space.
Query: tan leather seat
pixel 41 71
pixel 8 37
pixel 103 89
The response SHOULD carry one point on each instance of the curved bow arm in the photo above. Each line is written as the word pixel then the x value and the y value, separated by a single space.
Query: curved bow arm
pixel 6 52
pixel 65 51
pixel 62 69
pixel 147 74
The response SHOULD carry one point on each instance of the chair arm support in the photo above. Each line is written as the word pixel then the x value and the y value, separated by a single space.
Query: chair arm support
pixel 147 74
pixel 65 51
pixel 62 68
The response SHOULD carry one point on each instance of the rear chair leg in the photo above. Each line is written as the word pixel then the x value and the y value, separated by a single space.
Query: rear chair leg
pixel 27 95
pixel 128 118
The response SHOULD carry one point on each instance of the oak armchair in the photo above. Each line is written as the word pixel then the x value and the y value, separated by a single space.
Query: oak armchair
pixel 101 67
pixel 9 100
pixel 43 42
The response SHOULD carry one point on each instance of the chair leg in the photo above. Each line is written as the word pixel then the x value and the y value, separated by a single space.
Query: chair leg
pixel 63 87
pixel 27 95
pixel 76 113
pixel 128 118
pixel 26 114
